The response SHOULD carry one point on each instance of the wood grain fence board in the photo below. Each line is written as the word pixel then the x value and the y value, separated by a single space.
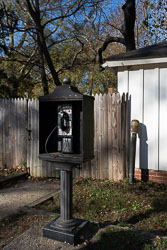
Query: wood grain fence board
pixel 100 159
pixel 18 132
pixel 121 139
pixel 123 133
pixel 14 110
pixel 25 130
pixel 37 162
pixel 28 137
pixel 36 138
pixel 92 162
pixel 24 159
pixel 102 133
pixel 1 132
pixel 21 131
pixel 4 125
pixel 29 149
pixel 96 151
pixel 109 122
pixel 119 135
pixel 2 136
pixel 127 136
pixel 5 132
pixel 115 139
pixel 105 137
pixel 33 142
pixel 10 142
pixel 95 137
pixel 11 148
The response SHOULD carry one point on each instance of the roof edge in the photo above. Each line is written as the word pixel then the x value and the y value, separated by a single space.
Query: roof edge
pixel 132 62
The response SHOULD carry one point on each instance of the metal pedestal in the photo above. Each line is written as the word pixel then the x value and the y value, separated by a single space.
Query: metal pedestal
pixel 65 228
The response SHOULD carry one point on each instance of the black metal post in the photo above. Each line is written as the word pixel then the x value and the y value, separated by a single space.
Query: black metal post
pixel 65 220
pixel 66 195
pixel 132 157
pixel 134 130
pixel 65 228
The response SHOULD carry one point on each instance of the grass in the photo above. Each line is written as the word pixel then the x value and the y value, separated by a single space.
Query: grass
pixel 131 209
pixel 123 240
pixel 139 206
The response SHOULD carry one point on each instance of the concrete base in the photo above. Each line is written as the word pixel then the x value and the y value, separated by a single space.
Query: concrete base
pixel 52 231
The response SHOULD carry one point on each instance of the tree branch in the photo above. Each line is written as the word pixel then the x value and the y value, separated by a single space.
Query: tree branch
pixel 129 10
pixel 106 43
pixel 65 15
pixel 66 67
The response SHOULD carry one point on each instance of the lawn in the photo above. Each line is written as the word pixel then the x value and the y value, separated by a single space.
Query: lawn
pixel 136 207
pixel 126 216
pixel 141 206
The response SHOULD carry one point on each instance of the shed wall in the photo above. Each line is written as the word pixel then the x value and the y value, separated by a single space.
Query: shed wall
pixel 148 91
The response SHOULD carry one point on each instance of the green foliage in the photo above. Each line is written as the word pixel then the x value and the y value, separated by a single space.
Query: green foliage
pixel 141 207
pixel 72 42
pixel 155 21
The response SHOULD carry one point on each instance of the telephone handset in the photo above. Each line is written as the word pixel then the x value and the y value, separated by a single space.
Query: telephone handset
pixel 65 134
pixel 65 124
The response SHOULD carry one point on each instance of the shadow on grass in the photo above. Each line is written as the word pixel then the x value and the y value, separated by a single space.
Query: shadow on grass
pixel 110 238
pixel 116 239
pixel 158 205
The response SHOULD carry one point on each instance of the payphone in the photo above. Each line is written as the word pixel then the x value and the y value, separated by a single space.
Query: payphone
pixel 65 138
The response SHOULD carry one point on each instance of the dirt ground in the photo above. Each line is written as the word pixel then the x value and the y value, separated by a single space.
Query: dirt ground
pixel 23 193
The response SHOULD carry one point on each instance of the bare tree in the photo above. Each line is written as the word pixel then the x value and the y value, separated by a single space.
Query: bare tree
pixel 46 15
pixel 127 30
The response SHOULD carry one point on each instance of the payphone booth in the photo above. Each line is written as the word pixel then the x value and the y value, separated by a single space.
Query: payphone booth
pixel 66 137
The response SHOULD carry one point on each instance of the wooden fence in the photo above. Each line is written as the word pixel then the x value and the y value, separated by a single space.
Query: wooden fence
pixel 19 138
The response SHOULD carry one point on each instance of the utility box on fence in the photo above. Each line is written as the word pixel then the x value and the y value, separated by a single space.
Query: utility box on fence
pixel 66 137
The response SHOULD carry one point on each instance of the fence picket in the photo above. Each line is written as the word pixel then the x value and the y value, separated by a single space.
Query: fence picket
pixel 109 122
pixel 1 132
pixel 127 133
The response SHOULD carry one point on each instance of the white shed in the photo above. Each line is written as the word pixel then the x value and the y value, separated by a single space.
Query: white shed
pixel 143 74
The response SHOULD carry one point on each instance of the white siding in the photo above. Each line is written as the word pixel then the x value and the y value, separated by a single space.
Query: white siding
pixel 163 121
pixel 144 88
pixel 123 82
pixel 136 92
pixel 151 93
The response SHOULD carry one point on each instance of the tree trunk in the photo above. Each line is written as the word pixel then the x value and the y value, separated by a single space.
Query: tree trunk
pixel 129 10
pixel 42 70
pixel 127 30
pixel 44 49
pixel 35 15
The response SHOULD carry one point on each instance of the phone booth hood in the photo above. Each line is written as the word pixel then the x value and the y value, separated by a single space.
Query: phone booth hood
pixel 66 125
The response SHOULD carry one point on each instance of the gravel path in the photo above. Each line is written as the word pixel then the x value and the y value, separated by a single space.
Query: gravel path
pixel 23 193
pixel 32 239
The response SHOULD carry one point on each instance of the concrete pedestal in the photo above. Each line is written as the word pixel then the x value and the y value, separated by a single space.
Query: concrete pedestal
pixel 52 231
pixel 65 228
